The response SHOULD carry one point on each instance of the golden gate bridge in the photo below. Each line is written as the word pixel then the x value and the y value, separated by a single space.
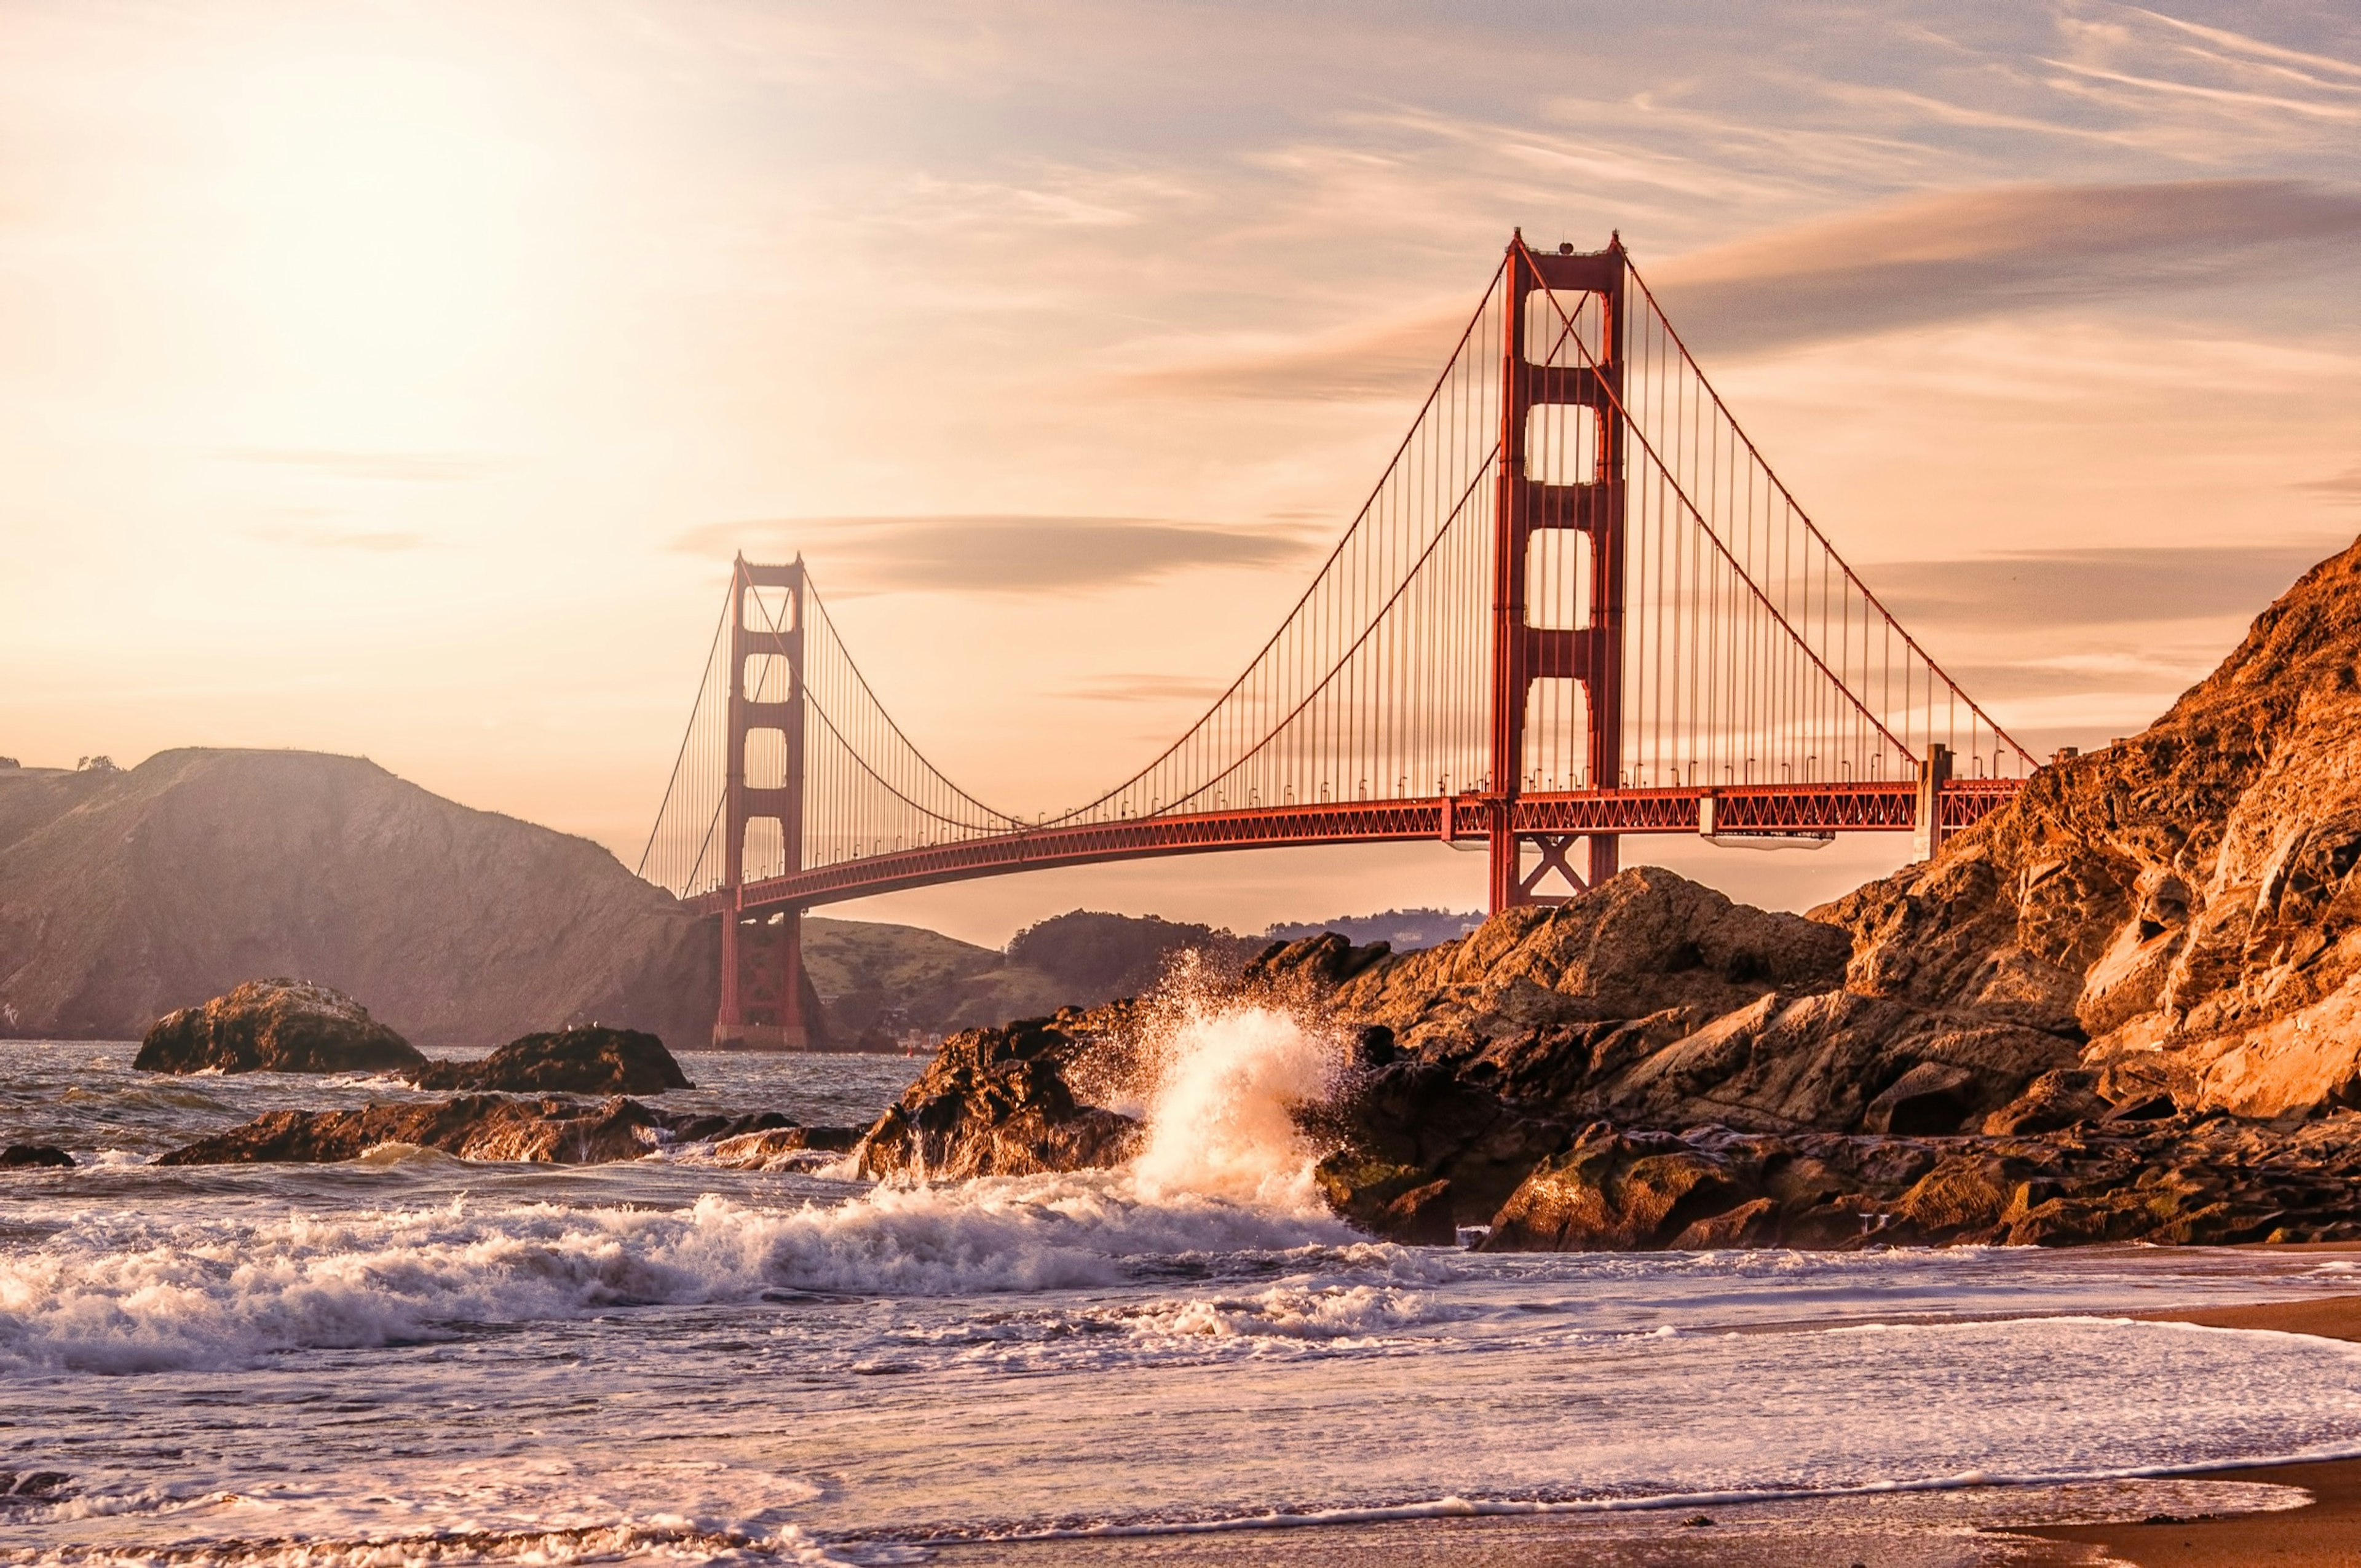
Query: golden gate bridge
pixel 1577 605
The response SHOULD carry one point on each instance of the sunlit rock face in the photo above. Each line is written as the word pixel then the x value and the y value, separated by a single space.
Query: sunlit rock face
pixel 2185 900
pixel 1658 1002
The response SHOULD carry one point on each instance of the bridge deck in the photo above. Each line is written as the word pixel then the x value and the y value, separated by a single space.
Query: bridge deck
pixel 1878 808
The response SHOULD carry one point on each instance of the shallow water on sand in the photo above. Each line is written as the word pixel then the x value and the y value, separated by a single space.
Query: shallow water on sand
pixel 411 1358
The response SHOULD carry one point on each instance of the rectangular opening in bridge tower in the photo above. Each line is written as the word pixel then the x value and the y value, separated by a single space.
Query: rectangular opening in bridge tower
pixel 766 759
pixel 1556 687
pixel 1563 445
pixel 769 677
pixel 1557 580
pixel 1557 736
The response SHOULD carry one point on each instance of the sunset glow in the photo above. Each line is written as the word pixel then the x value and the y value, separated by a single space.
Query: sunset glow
pixel 399 379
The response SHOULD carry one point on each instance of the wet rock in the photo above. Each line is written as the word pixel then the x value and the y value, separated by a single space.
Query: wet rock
pixel 545 1130
pixel 1620 1192
pixel 34 1157
pixel 586 1060
pixel 1415 1128
pixel 23 1489
pixel 275 1026
pixel 2214 1181
pixel 998 1103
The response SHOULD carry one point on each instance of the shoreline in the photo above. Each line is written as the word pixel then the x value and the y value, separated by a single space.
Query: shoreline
pixel 2324 1533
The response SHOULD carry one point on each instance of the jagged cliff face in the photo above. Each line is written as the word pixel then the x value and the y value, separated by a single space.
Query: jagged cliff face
pixel 123 896
pixel 1657 1002
pixel 2187 900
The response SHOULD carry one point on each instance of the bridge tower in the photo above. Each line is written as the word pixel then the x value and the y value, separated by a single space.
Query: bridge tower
pixel 767 1000
pixel 1537 377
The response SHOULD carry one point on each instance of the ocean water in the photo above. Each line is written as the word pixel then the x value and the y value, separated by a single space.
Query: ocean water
pixel 412 1359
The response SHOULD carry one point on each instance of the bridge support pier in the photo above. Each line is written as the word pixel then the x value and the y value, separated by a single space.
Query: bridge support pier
pixel 768 1003
pixel 1927 831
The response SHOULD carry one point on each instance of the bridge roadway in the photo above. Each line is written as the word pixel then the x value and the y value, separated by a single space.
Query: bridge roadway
pixel 1875 808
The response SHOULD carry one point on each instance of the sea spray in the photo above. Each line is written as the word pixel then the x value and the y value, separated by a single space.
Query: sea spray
pixel 1230 1074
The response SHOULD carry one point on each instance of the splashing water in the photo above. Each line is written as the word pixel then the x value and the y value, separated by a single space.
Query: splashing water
pixel 1221 1117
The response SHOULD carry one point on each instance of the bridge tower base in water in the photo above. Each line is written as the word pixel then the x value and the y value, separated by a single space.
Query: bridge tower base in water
pixel 1581 490
pixel 767 1000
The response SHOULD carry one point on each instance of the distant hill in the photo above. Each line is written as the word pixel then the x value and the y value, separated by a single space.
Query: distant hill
pixel 883 982
pixel 1405 929
pixel 124 894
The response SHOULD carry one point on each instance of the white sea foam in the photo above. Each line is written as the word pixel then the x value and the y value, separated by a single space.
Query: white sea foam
pixel 111 1295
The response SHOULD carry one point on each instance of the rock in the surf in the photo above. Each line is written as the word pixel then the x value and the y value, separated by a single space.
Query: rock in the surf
pixel 586 1060
pixel 545 1130
pixel 275 1026
pixel 35 1157
pixel 999 1103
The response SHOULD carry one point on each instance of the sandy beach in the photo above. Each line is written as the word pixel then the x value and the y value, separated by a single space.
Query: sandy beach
pixel 2326 1533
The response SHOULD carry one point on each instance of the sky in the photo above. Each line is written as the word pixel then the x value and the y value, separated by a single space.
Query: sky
pixel 398 379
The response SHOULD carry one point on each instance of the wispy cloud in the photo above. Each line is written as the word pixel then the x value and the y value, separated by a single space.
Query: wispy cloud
pixel 1005 554
pixel 2345 487
pixel 2052 587
pixel 1403 357
pixel 1956 256
pixel 1921 261
pixel 408 467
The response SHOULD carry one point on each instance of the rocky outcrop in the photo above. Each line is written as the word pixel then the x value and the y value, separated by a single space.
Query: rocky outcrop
pixel 548 1130
pixel 2187 900
pixel 124 895
pixel 1000 1102
pixel 2216 1180
pixel 35 1157
pixel 590 1059
pixel 275 1026
pixel 1658 1002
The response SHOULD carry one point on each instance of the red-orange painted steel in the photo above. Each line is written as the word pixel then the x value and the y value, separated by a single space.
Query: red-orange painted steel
pixel 1757 808
pixel 1594 506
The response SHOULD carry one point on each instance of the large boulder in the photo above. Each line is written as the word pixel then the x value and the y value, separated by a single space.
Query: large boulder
pixel 1645 943
pixel 35 1157
pixel 276 1025
pixel 586 1059
pixel 999 1103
